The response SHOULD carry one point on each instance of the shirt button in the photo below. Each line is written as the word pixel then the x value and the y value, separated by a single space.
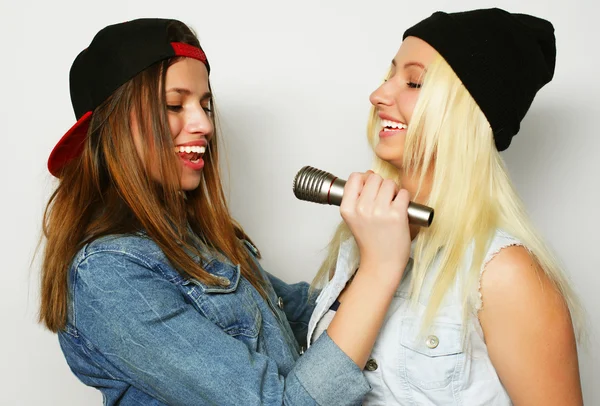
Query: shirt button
pixel 432 342
pixel 224 281
pixel 371 365
pixel 301 350
pixel 280 303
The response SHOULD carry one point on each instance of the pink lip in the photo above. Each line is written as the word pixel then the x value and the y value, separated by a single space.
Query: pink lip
pixel 194 166
pixel 386 117
pixel 197 143
pixel 389 133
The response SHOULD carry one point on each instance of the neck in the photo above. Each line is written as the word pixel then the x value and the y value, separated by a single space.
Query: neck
pixel 411 184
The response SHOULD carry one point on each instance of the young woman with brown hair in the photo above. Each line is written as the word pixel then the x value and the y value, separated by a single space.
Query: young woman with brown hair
pixel 154 290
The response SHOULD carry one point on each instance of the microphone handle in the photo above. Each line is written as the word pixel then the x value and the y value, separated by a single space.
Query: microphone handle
pixel 418 214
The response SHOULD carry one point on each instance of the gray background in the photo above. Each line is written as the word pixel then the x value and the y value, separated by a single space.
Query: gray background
pixel 292 81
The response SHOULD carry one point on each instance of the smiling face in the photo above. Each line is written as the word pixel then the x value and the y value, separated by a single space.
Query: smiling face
pixel 189 112
pixel 188 101
pixel 395 99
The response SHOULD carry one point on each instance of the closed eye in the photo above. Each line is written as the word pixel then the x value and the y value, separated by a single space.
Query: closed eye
pixel 174 108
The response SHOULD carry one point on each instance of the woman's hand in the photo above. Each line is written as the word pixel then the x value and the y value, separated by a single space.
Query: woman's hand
pixel 377 214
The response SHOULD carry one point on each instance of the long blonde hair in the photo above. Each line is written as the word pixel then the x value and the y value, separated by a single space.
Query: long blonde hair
pixel 471 192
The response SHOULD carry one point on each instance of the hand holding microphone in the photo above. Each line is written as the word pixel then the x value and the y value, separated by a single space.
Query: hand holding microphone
pixel 318 186
pixel 375 212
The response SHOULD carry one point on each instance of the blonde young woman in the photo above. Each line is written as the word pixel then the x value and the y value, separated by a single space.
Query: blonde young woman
pixel 155 292
pixel 484 314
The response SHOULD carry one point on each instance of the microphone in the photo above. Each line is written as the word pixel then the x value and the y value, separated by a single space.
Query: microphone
pixel 315 185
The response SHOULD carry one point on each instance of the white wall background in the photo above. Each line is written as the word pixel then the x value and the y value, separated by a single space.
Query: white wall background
pixel 292 81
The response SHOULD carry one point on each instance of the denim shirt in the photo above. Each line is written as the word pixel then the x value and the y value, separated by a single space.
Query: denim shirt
pixel 449 365
pixel 143 334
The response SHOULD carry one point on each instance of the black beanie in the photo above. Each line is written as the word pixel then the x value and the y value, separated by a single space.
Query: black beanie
pixel 503 59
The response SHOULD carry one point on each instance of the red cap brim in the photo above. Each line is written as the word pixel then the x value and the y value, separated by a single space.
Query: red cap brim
pixel 70 145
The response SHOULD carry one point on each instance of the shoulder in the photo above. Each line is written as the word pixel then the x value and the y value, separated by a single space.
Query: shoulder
pixel 129 245
pixel 514 286
pixel 506 259
pixel 512 268
pixel 117 255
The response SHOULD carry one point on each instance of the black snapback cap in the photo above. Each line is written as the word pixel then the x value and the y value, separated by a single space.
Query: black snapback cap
pixel 116 54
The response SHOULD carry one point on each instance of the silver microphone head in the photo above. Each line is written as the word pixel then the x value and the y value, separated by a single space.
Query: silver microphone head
pixel 314 185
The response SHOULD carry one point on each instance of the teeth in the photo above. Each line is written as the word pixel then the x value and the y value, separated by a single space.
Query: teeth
pixel 187 150
pixel 393 124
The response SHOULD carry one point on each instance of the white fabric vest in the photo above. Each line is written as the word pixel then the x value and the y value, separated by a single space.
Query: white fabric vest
pixel 406 368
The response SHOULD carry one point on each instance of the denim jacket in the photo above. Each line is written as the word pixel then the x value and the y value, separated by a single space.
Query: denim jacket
pixel 144 335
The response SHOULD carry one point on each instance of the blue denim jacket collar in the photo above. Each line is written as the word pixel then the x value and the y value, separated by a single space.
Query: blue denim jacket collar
pixel 213 263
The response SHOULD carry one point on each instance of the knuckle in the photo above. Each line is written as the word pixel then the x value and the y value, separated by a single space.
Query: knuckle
pixel 362 210
pixel 404 195
pixel 351 180
pixel 390 185
pixel 356 176
pixel 397 216
pixel 379 213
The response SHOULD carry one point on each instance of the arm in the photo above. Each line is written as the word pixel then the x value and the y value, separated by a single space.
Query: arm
pixel 377 216
pixel 141 323
pixel 297 305
pixel 528 332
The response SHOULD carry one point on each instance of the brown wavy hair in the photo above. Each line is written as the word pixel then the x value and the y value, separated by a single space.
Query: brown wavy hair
pixel 108 190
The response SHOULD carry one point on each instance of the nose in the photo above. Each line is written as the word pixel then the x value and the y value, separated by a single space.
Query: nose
pixel 198 121
pixel 383 95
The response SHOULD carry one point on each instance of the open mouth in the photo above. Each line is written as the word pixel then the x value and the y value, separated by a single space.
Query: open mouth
pixel 389 125
pixel 191 155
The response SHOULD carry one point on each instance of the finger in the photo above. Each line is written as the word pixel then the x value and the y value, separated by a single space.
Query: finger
pixel 352 189
pixel 402 200
pixel 365 175
pixel 386 195
pixel 369 192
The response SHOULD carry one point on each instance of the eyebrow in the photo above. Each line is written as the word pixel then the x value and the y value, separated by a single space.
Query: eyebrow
pixel 187 92
pixel 409 64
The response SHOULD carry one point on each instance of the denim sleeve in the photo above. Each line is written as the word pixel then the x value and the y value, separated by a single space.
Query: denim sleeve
pixel 298 305
pixel 143 327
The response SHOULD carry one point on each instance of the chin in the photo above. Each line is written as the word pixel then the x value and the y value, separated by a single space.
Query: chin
pixel 190 183
pixel 391 156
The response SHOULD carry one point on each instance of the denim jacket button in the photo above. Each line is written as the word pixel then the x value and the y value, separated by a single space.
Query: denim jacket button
pixel 280 303
pixel 432 342
pixel 371 365
pixel 226 282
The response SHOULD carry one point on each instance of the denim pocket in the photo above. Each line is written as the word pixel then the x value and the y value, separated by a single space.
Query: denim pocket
pixel 233 307
pixel 431 361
